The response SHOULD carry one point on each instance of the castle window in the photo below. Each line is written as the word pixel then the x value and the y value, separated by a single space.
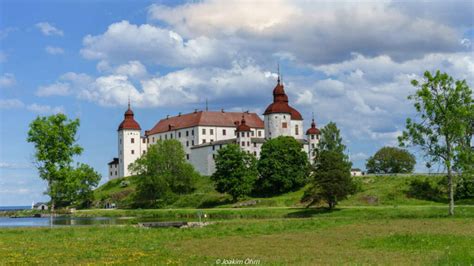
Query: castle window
pixel 312 136
pixel 253 133
pixel 204 131
pixel 213 156
pixel 284 125
pixel 192 142
pixel 220 146
pixel 187 133
pixel 132 140
pixel 297 131
pixel 248 143
pixel 153 139
pixel 203 141
pixel 171 136
pixel 110 173
pixel 312 145
pixel 115 172
pixel 255 144
pixel 248 134
pixel 187 156
pixel 259 133
pixel 133 152
pixel 255 153
pixel 223 132
pixel 243 143
pixel 192 132
pixel 144 152
pixel 143 140
pixel 211 131
pixel 179 134
pixel 212 140
pixel 187 143
pixel 213 147
pixel 166 136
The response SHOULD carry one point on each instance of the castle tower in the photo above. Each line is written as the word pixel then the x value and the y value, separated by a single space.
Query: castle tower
pixel 129 138
pixel 244 135
pixel 280 119
pixel 312 135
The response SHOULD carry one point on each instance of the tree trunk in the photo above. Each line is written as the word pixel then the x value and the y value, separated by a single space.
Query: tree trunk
pixel 450 178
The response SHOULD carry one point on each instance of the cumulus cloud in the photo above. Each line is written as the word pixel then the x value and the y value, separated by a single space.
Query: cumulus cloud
pixel 151 44
pixel 59 88
pixel 54 50
pixel 181 87
pixel 7 80
pixel 48 30
pixel 316 33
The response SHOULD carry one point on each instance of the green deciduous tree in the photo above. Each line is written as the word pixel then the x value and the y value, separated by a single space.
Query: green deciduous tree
pixel 331 179
pixel 164 173
pixel 391 160
pixel 283 166
pixel 444 128
pixel 54 138
pixel 236 171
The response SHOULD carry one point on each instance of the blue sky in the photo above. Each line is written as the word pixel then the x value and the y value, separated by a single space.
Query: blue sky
pixel 347 62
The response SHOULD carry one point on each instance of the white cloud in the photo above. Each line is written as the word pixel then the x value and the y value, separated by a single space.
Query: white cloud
pixel 7 80
pixel 44 109
pixel 123 42
pixel 48 30
pixel 54 50
pixel 11 104
pixel 313 32
pixel 58 88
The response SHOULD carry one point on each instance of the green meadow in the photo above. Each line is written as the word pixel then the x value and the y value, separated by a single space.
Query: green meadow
pixel 380 224
pixel 421 235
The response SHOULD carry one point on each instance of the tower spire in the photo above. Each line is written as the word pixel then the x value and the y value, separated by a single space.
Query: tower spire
pixel 206 106
pixel 129 102
pixel 278 70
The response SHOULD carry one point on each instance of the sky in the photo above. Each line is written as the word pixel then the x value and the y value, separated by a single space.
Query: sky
pixel 349 62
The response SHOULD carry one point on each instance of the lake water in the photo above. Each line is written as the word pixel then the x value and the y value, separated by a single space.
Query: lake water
pixel 60 221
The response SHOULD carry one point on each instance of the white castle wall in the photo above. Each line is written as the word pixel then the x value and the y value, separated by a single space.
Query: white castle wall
pixel 274 125
pixel 129 150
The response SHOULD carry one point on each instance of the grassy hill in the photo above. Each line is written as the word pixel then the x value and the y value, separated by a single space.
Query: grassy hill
pixel 374 191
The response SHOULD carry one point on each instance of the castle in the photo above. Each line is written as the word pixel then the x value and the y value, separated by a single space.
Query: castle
pixel 203 133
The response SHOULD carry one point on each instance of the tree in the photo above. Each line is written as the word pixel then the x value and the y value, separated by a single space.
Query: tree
pixel 283 166
pixel 236 171
pixel 444 130
pixel 164 173
pixel 76 187
pixel 55 144
pixel 391 160
pixel 331 180
pixel 330 140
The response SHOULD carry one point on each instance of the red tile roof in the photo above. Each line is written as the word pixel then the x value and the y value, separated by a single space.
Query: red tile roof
pixel 128 121
pixel 280 103
pixel 243 126
pixel 205 118
pixel 313 130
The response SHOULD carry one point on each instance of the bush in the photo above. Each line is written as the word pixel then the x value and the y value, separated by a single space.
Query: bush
pixel 424 190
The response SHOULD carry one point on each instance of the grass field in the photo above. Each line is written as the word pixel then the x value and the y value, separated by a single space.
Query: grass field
pixel 356 235
pixel 375 191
